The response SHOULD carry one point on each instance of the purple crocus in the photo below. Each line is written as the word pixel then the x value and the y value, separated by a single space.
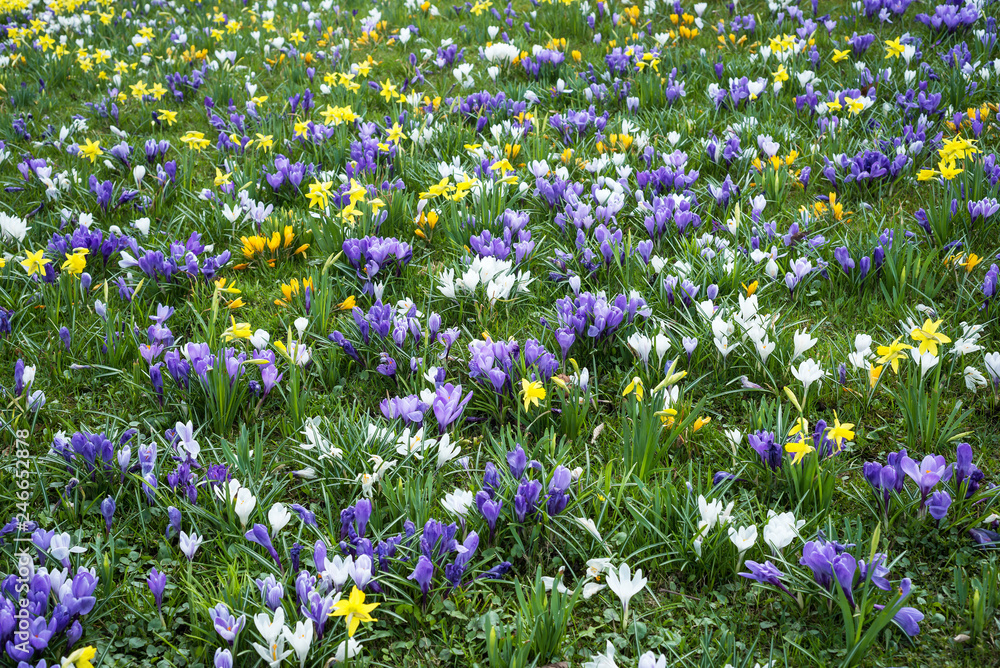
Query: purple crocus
pixel 422 574
pixel 226 624
pixel 108 511
pixel 157 583
pixel 928 473
pixel 766 573
pixel 938 505
pixel 449 404
pixel 258 534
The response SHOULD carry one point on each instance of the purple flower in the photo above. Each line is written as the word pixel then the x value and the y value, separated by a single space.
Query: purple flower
pixel 449 404
pixel 938 505
pixel 928 473
pixel 766 573
pixel 422 574
pixel 258 534
pixel 227 625
pixel 108 511
pixel 223 658
pixel 157 583
pixel 517 461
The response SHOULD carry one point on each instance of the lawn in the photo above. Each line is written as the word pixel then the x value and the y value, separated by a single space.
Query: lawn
pixel 556 333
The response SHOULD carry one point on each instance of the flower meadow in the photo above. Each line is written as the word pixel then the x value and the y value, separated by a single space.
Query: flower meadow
pixel 499 334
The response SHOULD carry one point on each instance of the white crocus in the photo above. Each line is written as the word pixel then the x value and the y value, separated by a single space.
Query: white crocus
pixel 245 503
pixel 278 516
pixel 625 586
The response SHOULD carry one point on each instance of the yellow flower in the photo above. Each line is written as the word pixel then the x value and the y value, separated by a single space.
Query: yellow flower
pixel 970 262
pixel 319 194
pixel 929 337
pixel 532 391
pixel 34 262
pixel 76 261
pixel 781 74
pixel 801 426
pixel 958 148
pixel 238 330
pixel 348 304
pixel 265 141
pixel 840 432
pixel 798 450
pixel 195 140
pixel 874 373
pixel 839 55
pixel 750 289
pixel 167 116
pixel 634 386
pixel 949 170
pixel 354 610
pixel 220 285
pixel 700 422
pixel 892 353
pixel 80 658
pixel 221 178
pixel 893 49
pixel 91 149
pixel 388 91
pixel 236 303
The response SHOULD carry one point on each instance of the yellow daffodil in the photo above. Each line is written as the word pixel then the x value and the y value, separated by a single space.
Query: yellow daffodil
pixel 237 330
pixel 319 194
pixel 91 149
pixel 195 140
pixel 167 116
pixel 798 450
pixel 354 610
pixel 532 391
pixel 76 261
pixel 970 262
pixel 928 337
pixel 80 658
pixel 892 353
pixel 636 387
pixel 893 49
pixel 34 262
pixel 840 432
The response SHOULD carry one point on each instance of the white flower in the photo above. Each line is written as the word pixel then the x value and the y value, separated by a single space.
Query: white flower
pixel 974 379
pixel 926 362
pixel 279 516
pixel 589 525
pixel 662 344
pixel 781 530
pixel 245 503
pixel 597 566
pixel 641 345
pixel 260 339
pixel 446 451
pixel 992 365
pixel 300 639
pixel 650 660
pixel 350 647
pixel 803 341
pixel 414 445
pixel 272 631
pixel 605 660
pixel 808 373
pixel 458 502
pixel 12 228
pixel 625 586
pixel 744 537
pixel 713 513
